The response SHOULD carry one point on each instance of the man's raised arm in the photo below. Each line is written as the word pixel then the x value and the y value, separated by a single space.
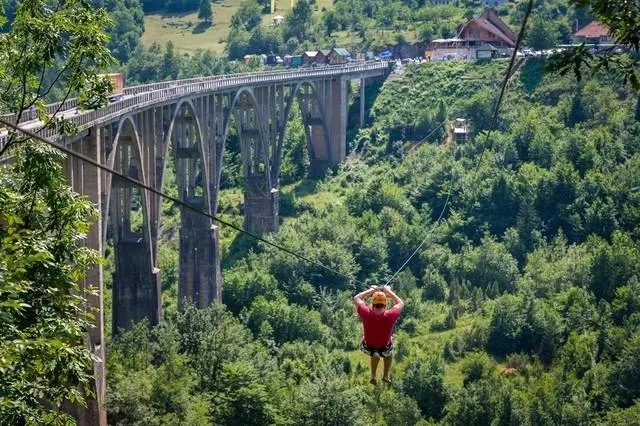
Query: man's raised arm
pixel 357 299
pixel 396 299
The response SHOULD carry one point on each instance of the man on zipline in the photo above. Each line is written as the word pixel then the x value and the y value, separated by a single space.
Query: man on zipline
pixel 378 322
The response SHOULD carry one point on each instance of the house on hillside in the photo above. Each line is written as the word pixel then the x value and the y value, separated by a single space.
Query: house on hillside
pixel 338 55
pixel 481 38
pixel 322 56
pixel 309 57
pixel 488 28
pixel 278 19
pixel 593 33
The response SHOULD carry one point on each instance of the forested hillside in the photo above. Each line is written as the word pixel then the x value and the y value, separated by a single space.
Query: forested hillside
pixel 522 307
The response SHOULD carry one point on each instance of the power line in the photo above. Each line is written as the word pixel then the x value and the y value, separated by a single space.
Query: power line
pixel 493 122
pixel 172 199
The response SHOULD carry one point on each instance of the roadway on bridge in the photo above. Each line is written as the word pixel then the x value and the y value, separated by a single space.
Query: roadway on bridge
pixel 157 91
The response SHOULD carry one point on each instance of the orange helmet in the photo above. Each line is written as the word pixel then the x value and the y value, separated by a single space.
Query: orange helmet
pixel 379 298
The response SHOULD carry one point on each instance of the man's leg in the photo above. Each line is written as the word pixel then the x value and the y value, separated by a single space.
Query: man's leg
pixel 387 367
pixel 374 367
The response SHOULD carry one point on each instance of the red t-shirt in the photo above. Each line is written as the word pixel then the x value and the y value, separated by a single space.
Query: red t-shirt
pixel 378 328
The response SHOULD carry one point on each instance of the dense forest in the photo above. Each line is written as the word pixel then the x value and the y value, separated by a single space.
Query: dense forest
pixel 522 308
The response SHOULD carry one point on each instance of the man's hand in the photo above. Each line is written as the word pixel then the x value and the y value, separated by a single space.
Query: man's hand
pixel 389 292
pixel 357 299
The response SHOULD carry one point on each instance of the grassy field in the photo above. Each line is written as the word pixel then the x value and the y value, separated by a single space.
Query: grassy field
pixel 187 34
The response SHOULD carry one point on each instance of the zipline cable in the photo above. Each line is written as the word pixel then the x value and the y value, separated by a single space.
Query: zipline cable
pixel 421 141
pixel 172 199
pixel 493 122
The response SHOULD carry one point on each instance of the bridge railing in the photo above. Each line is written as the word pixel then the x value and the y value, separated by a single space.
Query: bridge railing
pixel 29 115
pixel 134 90
pixel 124 106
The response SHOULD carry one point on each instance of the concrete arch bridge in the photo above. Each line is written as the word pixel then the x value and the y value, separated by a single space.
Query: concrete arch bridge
pixel 193 117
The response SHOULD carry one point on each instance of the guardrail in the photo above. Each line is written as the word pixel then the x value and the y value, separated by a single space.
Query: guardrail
pixel 208 84
pixel 134 90
pixel 29 115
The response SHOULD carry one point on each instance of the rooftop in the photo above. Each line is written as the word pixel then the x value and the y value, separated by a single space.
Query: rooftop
pixel 592 30
pixel 491 22
pixel 341 51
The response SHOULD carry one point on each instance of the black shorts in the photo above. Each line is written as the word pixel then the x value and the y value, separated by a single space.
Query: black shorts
pixel 377 352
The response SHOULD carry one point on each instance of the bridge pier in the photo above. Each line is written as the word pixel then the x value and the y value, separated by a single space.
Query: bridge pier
pixel 199 257
pixel 338 111
pixel 136 285
pixel 261 205
pixel 362 86
pixel 89 181
pixel 136 282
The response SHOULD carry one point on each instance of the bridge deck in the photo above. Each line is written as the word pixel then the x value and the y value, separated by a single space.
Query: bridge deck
pixel 142 96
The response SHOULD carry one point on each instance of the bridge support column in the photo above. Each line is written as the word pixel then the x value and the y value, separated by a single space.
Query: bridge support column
pixel 331 150
pixel 199 257
pixel 89 181
pixel 261 205
pixel 320 160
pixel 362 86
pixel 338 112
pixel 136 285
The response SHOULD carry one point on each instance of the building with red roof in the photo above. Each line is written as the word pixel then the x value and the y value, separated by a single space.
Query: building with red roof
pixel 488 28
pixel 594 32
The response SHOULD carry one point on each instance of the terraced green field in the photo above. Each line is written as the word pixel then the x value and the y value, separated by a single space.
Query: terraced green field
pixel 187 34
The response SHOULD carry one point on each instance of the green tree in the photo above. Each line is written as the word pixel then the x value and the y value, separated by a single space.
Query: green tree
pixel 328 399
pixel 43 356
pixel 243 399
pixel 480 402
pixel 399 409
pixel 331 21
pixel 237 43
pixel 247 17
pixel 424 381
pixel 506 325
pixel 67 46
pixel 622 417
pixel 171 63
pixel 127 28
pixel 205 12
pixel 577 113
pixel 298 21
pixel 435 286
pixel 626 375
pixel 543 34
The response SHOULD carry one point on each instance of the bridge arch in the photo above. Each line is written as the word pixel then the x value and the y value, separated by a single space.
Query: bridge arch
pixel 187 111
pixel 316 102
pixel 135 283
pixel 197 278
pixel 126 141
pixel 250 124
